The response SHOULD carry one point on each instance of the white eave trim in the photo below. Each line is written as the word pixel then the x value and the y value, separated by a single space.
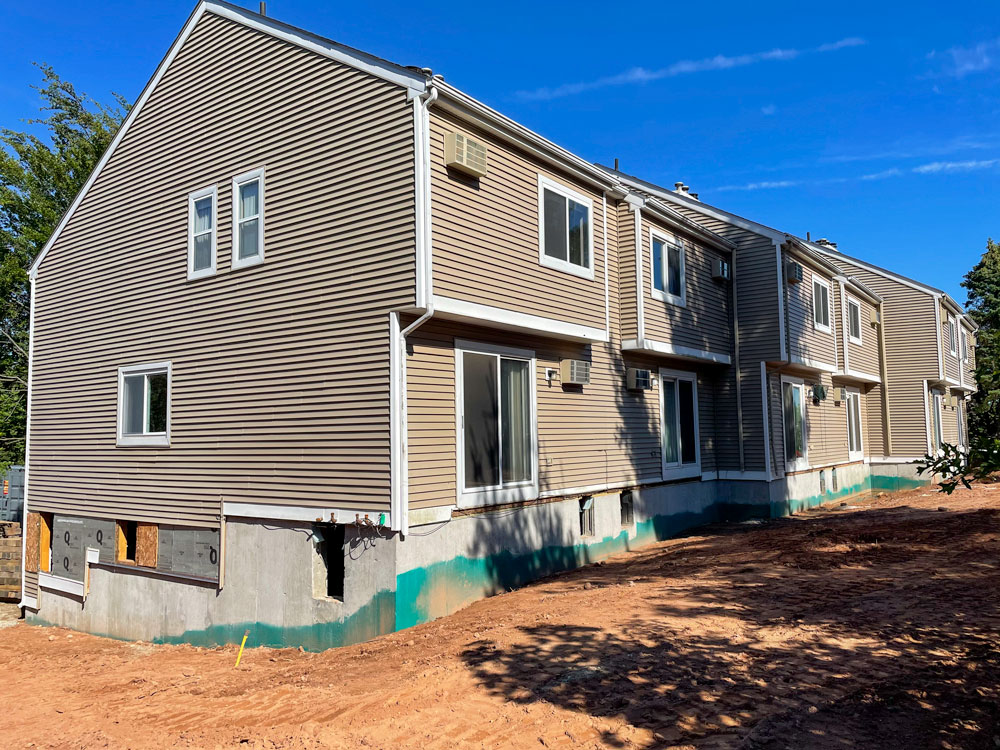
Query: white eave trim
pixel 496 317
pixel 353 58
pixel 861 377
pixel 672 350
pixel 240 509
pixel 812 364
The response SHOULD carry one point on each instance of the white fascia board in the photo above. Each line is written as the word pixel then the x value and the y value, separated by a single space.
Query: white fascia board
pixel 857 375
pixel 353 58
pixel 496 317
pixel 501 126
pixel 673 350
pixel 56 583
pixel 813 364
pixel 876 270
pixel 298 513
pixel 683 224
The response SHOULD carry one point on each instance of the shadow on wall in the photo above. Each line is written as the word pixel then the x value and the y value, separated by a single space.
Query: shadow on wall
pixel 816 633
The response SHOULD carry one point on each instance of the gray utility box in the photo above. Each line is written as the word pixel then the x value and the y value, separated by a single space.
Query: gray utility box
pixel 12 494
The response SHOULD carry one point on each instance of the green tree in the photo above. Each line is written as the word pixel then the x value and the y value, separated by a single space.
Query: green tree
pixel 983 304
pixel 40 174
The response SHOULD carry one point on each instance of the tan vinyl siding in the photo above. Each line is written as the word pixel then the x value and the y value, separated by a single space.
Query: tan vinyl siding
pixel 949 422
pixel 970 364
pixel 951 361
pixel 909 328
pixel 486 240
pixel 704 322
pixel 804 339
pixel 874 423
pixel 864 357
pixel 826 426
pixel 280 371
pixel 627 299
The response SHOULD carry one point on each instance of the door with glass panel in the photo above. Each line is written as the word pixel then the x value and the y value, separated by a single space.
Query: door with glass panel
pixel 680 424
pixel 855 447
pixel 497 450
pixel 793 406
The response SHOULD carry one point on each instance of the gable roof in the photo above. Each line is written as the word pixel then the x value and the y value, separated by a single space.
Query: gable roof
pixel 362 61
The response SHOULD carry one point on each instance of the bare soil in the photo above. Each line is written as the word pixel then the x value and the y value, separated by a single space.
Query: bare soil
pixel 873 625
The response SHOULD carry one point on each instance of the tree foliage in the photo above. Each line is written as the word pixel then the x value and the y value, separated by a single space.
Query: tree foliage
pixel 41 172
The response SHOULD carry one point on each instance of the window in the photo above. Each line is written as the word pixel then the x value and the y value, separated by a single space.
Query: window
pixel 854 321
pixel 952 336
pixel 833 479
pixel 248 219
pixel 201 233
pixel 136 543
pixel 965 346
pixel 668 270
pixel 565 235
pixel 793 403
pixel 587 516
pixel 679 418
pixel 936 439
pixel 627 508
pixel 496 395
pixel 328 570
pixel 855 448
pixel 144 405
pixel 821 305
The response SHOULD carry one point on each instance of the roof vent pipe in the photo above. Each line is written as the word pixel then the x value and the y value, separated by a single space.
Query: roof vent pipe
pixel 263 8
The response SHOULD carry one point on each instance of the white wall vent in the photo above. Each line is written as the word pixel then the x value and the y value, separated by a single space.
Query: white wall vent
pixel 638 379
pixel 793 271
pixel 465 154
pixel 720 269
pixel 574 372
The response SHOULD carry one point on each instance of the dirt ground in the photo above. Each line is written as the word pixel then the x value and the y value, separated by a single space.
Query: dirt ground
pixel 873 625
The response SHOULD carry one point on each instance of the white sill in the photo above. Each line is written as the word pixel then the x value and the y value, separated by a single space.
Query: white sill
pixel 683 471
pixel 476 498
pixel 799 464
pixel 854 340
pixel 156 440
pixel 824 329
pixel 855 455
pixel 204 273
pixel 254 260
pixel 670 299
pixel 567 267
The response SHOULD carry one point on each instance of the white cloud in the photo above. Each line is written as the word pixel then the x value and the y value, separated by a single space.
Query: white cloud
pixel 962 61
pixel 769 110
pixel 760 185
pixel 955 166
pixel 682 67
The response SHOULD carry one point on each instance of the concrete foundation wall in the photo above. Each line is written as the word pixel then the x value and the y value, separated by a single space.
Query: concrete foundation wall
pixel 894 477
pixel 271 588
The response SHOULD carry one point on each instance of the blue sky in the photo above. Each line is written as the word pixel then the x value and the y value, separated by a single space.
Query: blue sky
pixel 874 124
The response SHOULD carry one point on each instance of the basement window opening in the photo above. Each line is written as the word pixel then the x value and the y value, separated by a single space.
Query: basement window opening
pixel 587 516
pixel 627 508
pixel 127 537
pixel 328 578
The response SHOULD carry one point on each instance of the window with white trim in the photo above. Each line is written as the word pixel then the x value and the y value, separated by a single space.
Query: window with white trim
pixel 679 424
pixel 565 234
pixel 668 269
pixel 201 232
pixel 937 440
pixel 248 218
pixel 952 337
pixel 965 346
pixel 855 446
pixel 821 305
pixel 854 321
pixel 496 402
pixel 793 407
pixel 144 404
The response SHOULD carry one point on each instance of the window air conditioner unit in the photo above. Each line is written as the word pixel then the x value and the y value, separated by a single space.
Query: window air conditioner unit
pixel 793 271
pixel 574 372
pixel 840 394
pixel 720 269
pixel 639 380
pixel 465 154
pixel 875 317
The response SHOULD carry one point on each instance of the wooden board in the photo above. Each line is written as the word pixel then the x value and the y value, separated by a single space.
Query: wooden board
pixel 31 542
pixel 45 542
pixel 146 543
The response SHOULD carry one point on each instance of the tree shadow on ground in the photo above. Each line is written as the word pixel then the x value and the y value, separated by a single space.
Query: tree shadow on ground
pixel 830 630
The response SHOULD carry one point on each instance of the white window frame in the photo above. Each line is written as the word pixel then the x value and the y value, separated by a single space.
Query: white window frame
pixel 952 336
pixel 856 305
pixel 664 295
pixel 965 346
pixel 829 304
pixel 678 470
pixel 855 455
pixel 153 439
pixel 213 193
pixel 798 464
pixel 584 272
pixel 936 426
pixel 480 496
pixel 238 181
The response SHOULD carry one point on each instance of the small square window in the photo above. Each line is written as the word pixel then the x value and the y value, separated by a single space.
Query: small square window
pixel 201 233
pixel 248 219
pixel 144 405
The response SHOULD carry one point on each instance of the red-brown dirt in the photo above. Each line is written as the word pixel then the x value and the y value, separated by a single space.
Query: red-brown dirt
pixel 873 625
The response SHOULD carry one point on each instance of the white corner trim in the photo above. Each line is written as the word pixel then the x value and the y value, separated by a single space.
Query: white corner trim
pixel 812 364
pixel 496 317
pixel 673 350
pixel 398 463
pixel 57 583
pixel 640 314
pixel 937 326
pixel 241 509
pixel 782 291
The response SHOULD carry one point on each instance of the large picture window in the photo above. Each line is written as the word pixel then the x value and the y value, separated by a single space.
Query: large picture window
pixel 793 406
pixel 855 446
pixel 144 405
pixel 565 233
pixel 668 269
pixel 679 420
pixel 497 433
